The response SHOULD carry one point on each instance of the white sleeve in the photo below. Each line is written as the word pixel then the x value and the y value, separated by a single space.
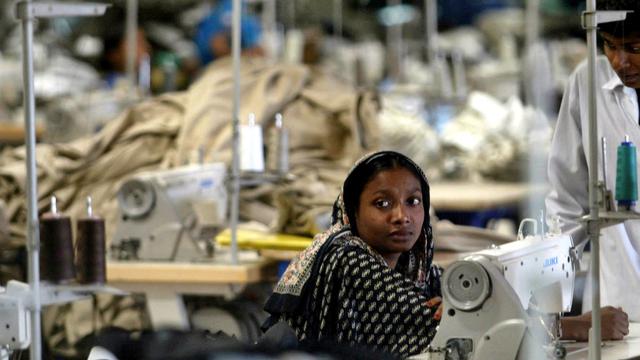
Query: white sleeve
pixel 567 168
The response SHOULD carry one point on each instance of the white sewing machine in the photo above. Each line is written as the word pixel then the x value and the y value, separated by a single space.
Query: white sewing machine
pixel 497 302
pixel 158 209
pixel 17 302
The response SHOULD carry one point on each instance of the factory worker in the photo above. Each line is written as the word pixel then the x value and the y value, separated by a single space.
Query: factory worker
pixel 213 34
pixel 369 280
pixel 114 53
pixel 618 81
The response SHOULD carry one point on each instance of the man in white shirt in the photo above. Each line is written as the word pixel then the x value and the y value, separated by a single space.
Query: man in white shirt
pixel 618 80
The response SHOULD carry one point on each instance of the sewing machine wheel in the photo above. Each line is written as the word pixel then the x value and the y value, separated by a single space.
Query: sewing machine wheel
pixel 466 285
pixel 136 198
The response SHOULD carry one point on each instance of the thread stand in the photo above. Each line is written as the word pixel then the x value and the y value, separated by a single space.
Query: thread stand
pixel 595 221
pixel 272 167
pixel 27 12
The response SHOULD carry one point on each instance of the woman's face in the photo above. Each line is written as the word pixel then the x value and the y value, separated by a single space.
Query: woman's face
pixel 390 215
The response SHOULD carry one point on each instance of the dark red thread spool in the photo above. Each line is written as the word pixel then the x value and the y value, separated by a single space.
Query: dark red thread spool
pixel 56 247
pixel 90 248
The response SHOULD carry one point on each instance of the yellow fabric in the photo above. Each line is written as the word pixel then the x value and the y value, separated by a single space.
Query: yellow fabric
pixel 251 239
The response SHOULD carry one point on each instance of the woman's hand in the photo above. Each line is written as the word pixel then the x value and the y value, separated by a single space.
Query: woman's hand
pixel 433 302
pixel 614 325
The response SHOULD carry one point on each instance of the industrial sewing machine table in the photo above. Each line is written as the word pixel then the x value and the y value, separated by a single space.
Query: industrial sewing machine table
pixel 164 283
pixel 626 349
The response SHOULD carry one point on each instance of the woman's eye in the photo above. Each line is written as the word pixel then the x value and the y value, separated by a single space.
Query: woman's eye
pixel 415 201
pixel 633 49
pixel 382 203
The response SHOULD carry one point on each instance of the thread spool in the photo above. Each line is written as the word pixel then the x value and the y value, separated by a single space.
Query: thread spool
pixel 56 254
pixel 278 147
pixel 251 152
pixel 626 175
pixel 90 248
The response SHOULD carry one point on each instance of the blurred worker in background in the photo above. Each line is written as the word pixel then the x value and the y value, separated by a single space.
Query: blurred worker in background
pixel 618 81
pixel 213 34
pixel 452 13
pixel 114 54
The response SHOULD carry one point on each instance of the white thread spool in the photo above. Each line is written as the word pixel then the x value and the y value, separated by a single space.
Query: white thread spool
pixel 251 152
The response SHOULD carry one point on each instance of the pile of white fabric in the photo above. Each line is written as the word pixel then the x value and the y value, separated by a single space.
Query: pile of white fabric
pixel 486 140
pixel 493 140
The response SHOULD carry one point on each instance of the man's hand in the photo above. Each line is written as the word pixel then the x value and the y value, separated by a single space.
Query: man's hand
pixel 614 325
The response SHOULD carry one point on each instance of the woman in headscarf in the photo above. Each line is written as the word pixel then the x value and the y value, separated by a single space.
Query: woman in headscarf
pixel 369 280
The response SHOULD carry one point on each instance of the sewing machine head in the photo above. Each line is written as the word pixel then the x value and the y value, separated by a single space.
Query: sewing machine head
pixel 498 302
pixel 158 209
pixel 540 271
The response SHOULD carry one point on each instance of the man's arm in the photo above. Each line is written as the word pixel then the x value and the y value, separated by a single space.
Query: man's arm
pixel 614 325
pixel 567 167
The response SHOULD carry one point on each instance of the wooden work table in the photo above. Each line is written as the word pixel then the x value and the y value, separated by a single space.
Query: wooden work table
pixel 164 283
pixel 14 134
pixel 468 196
pixel 192 273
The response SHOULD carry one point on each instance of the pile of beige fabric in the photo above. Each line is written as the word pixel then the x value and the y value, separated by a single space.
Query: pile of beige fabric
pixel 330 125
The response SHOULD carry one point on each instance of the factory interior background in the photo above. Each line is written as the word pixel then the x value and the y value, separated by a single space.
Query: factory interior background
pixel 135 145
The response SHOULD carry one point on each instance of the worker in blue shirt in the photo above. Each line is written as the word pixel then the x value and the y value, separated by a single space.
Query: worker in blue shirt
pixel 213 34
